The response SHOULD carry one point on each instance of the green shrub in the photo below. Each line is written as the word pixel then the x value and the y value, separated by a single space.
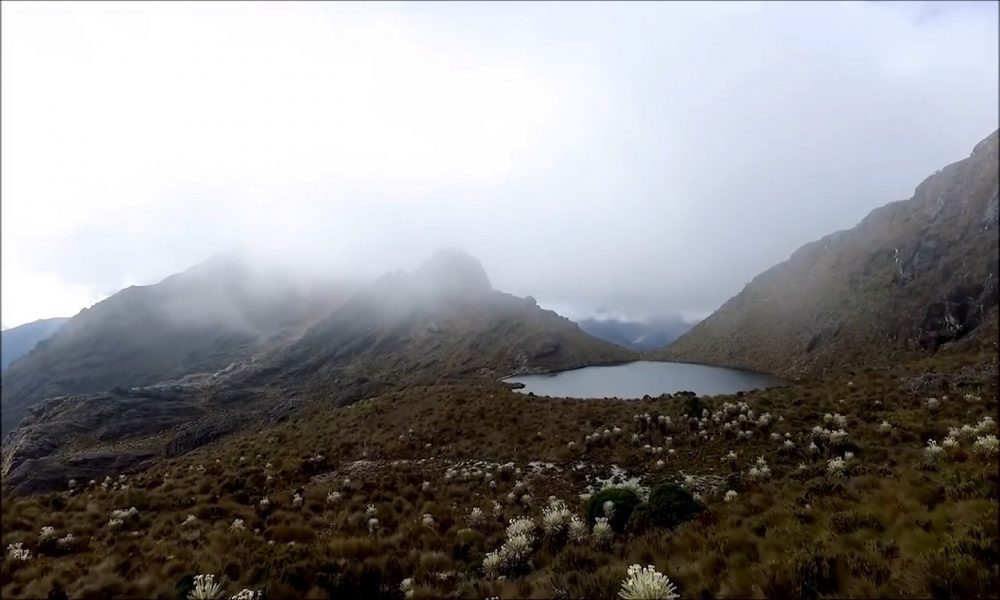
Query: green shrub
pixel 671 505
pixel 624 501
pixel 692 403
pixel 641 519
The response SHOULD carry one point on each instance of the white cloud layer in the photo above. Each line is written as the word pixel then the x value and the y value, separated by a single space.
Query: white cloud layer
pixel 637 158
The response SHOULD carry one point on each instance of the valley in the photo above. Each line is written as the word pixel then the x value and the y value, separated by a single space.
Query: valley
pixel 360 229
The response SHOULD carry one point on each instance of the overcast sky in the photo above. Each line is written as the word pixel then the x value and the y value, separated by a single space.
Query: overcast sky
pixel 638 159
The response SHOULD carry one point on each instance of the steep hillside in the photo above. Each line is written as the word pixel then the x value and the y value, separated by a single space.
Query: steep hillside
pixel 443 322
pixel 18 341
pixel 201 320
pixel 913 275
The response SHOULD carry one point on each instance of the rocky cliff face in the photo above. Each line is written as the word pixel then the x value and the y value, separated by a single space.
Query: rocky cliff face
pixel 913 275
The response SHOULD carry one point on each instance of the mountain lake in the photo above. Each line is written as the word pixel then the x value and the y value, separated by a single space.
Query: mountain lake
pixel 642 378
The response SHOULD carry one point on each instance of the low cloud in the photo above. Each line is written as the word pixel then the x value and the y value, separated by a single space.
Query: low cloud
pixel 636 159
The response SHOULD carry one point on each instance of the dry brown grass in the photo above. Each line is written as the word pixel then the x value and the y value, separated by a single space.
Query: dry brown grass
pixel 887 528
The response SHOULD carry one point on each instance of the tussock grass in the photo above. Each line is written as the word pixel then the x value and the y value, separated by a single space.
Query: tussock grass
pixel 890 525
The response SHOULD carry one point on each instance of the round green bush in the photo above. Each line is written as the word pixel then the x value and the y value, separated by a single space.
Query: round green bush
pixel 670 505
pixel 641 519
pixel 624 500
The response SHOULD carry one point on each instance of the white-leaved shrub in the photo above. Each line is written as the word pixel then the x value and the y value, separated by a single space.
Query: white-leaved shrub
pixel 646 583
pixel 493 564
pixel 17 551
pixel 556 518
pixel 120 516
pixel 206 588
pixel 759 471
pixel 986 445
pixel 476 517
pixel 602 533
pixel 66 542
pixel 47 533
pixel 986 425
pixel 577 530
pixel 517 549
pixel 932 451
pixel 520 526
pixel 836 465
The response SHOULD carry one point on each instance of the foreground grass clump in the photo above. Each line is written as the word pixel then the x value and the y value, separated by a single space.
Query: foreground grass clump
pixel 818 489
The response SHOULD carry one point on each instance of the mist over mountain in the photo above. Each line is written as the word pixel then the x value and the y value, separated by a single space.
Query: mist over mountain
pixel 18 341
pixel 261 353
pixel 202 320
pixel 552 300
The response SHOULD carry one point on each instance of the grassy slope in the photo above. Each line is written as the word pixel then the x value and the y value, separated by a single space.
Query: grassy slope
pixel 890 527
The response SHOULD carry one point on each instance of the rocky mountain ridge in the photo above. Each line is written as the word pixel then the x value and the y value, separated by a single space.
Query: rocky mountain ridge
pixel 916 274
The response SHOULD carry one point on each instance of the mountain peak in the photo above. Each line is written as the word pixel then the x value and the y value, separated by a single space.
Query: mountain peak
pixel 454 271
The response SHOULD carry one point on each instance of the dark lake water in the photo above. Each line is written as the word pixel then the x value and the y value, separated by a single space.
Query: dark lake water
pixel 640 378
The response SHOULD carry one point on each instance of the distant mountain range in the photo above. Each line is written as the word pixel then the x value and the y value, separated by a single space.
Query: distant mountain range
pixel 637 335
pixel 916 274
pixel 18 341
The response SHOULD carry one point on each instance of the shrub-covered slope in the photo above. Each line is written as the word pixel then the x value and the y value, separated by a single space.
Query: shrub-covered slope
pixel 876 483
